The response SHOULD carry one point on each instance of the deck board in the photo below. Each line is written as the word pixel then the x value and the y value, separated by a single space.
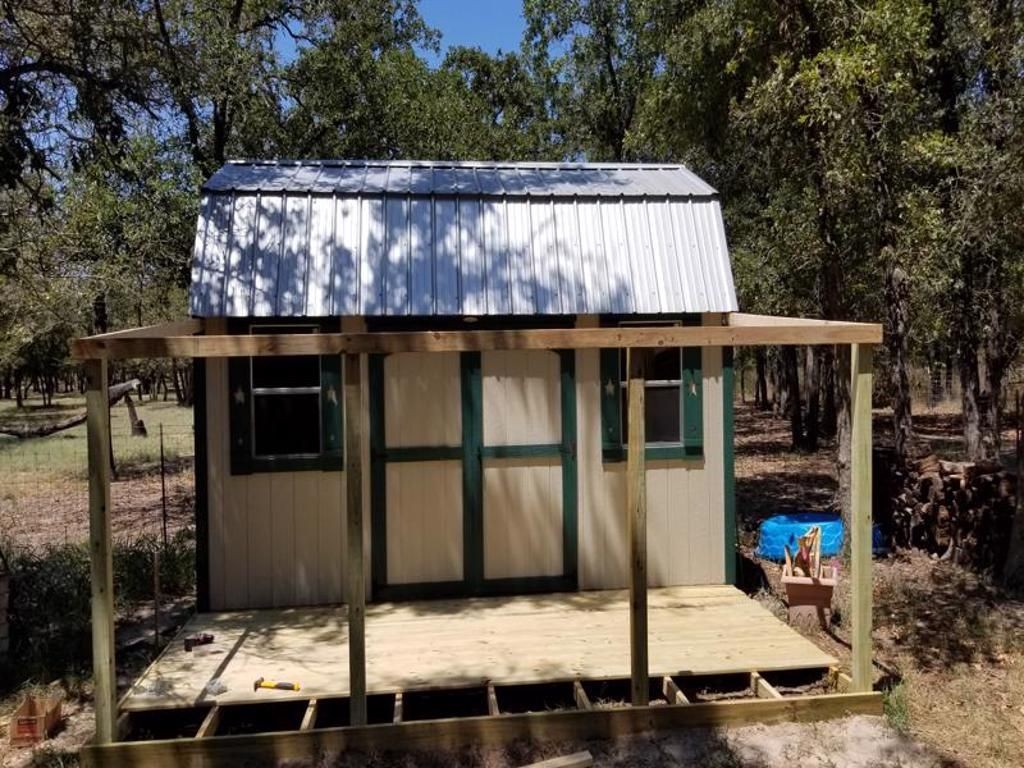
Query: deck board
pixel 445 643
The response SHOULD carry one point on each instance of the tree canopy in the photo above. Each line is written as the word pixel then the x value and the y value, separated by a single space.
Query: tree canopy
pixel 868 155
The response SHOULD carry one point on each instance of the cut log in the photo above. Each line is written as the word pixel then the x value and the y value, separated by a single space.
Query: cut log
pixel 116 392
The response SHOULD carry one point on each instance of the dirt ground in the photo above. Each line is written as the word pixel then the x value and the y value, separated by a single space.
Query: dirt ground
pixel 856 742
pixel 57 511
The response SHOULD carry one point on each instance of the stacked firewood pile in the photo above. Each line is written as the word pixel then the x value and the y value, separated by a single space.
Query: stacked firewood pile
pixel 960 511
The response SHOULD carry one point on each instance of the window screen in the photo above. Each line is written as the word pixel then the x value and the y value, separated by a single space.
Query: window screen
pixel 662 417
pixel 285 401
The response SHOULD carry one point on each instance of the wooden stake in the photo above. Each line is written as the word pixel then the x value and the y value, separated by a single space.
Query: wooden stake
pixel 762 688
pixel 354 514
pixel 860 524
pixel 636 483
pixel 309 717
pixel 492 701
pixel 671 691
pixel 102 569
pixel 580 695
pixel 209 725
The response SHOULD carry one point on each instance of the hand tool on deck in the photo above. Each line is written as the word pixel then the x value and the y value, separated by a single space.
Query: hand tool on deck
pixel 200 638
pixel 261 682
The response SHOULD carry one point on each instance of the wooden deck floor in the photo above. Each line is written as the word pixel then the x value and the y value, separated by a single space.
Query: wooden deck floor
pixel 451 643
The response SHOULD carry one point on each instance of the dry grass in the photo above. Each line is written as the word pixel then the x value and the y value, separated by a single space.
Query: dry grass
pixel 43 481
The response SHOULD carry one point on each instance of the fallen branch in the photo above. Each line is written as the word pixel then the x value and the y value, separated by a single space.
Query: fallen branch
pixel 115 393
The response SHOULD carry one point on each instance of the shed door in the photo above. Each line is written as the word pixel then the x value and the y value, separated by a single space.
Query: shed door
pixel 473 473
pixel 416 483
pixel 528 443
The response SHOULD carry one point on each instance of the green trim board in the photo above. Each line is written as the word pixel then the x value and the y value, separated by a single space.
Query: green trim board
pixel 731 553
pixel 656 452
pixel 472 453
pixel 332 413
pixel 472 470
pixel 570 473
pixel 525 451
pixel 420 453
pixel 202 474
pixel 378 479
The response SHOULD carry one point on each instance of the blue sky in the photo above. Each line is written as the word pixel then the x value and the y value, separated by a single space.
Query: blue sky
pixel 490 24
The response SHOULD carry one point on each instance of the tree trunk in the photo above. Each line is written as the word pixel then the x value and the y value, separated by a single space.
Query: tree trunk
pixel 897 290
pixel 114 394
pixel 828 386
pixel 761 380
pixel 792 377
pixel 780 387
pixel 813 377
pixel 99 313
pixel 968 360
pixel 843 429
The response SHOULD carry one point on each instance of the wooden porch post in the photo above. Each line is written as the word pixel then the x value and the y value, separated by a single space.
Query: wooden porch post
pixel 102 569
pixel 354 514
pixel 860 522
pixel 636 484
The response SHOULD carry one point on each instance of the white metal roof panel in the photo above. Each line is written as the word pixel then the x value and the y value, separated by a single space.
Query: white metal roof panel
pixel 401 238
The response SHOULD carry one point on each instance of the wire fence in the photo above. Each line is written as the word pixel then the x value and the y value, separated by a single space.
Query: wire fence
pixel 44 491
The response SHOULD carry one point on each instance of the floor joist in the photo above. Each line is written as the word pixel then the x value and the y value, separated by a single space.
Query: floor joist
pixel 486 730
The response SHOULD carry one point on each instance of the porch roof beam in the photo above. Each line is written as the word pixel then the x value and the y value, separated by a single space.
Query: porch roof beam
pixel 742 330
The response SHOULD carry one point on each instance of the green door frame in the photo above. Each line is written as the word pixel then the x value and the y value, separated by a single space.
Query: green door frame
pixel 472 453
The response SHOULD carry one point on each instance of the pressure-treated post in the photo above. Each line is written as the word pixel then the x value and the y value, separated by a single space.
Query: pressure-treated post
pixel 98 440
pixel 354 514
pixel 860 517
pixel 636 483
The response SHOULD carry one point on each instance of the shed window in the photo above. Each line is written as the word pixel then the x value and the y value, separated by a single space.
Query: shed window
pixel 286 411
pixel 673 418
pixel 662 406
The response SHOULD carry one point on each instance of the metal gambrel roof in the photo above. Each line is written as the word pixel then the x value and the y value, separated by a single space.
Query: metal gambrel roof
pixel 421 238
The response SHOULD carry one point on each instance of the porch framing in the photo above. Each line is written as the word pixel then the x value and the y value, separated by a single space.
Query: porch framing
pixel 738 329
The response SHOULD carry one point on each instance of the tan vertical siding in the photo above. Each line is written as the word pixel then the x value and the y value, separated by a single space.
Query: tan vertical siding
pixel 521 397
pixel 522 498
pixel 422 399
pixel 685 533
pixel 276 539
pixel 522 517
pixel 423 408
pixel 424 521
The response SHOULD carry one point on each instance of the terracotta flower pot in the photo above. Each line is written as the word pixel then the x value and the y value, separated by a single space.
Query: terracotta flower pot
pixel 810 599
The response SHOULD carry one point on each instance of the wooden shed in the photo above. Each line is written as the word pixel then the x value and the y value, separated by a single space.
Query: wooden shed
pixel 493 472
pixel 501 391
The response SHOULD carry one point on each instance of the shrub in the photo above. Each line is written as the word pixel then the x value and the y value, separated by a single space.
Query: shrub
pixel 49 612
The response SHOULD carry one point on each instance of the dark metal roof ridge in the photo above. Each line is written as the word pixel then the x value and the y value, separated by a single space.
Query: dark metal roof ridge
pixel 475 164
pixel 278 190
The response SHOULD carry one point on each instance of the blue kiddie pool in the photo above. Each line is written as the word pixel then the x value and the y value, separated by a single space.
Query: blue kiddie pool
pixel 783 530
